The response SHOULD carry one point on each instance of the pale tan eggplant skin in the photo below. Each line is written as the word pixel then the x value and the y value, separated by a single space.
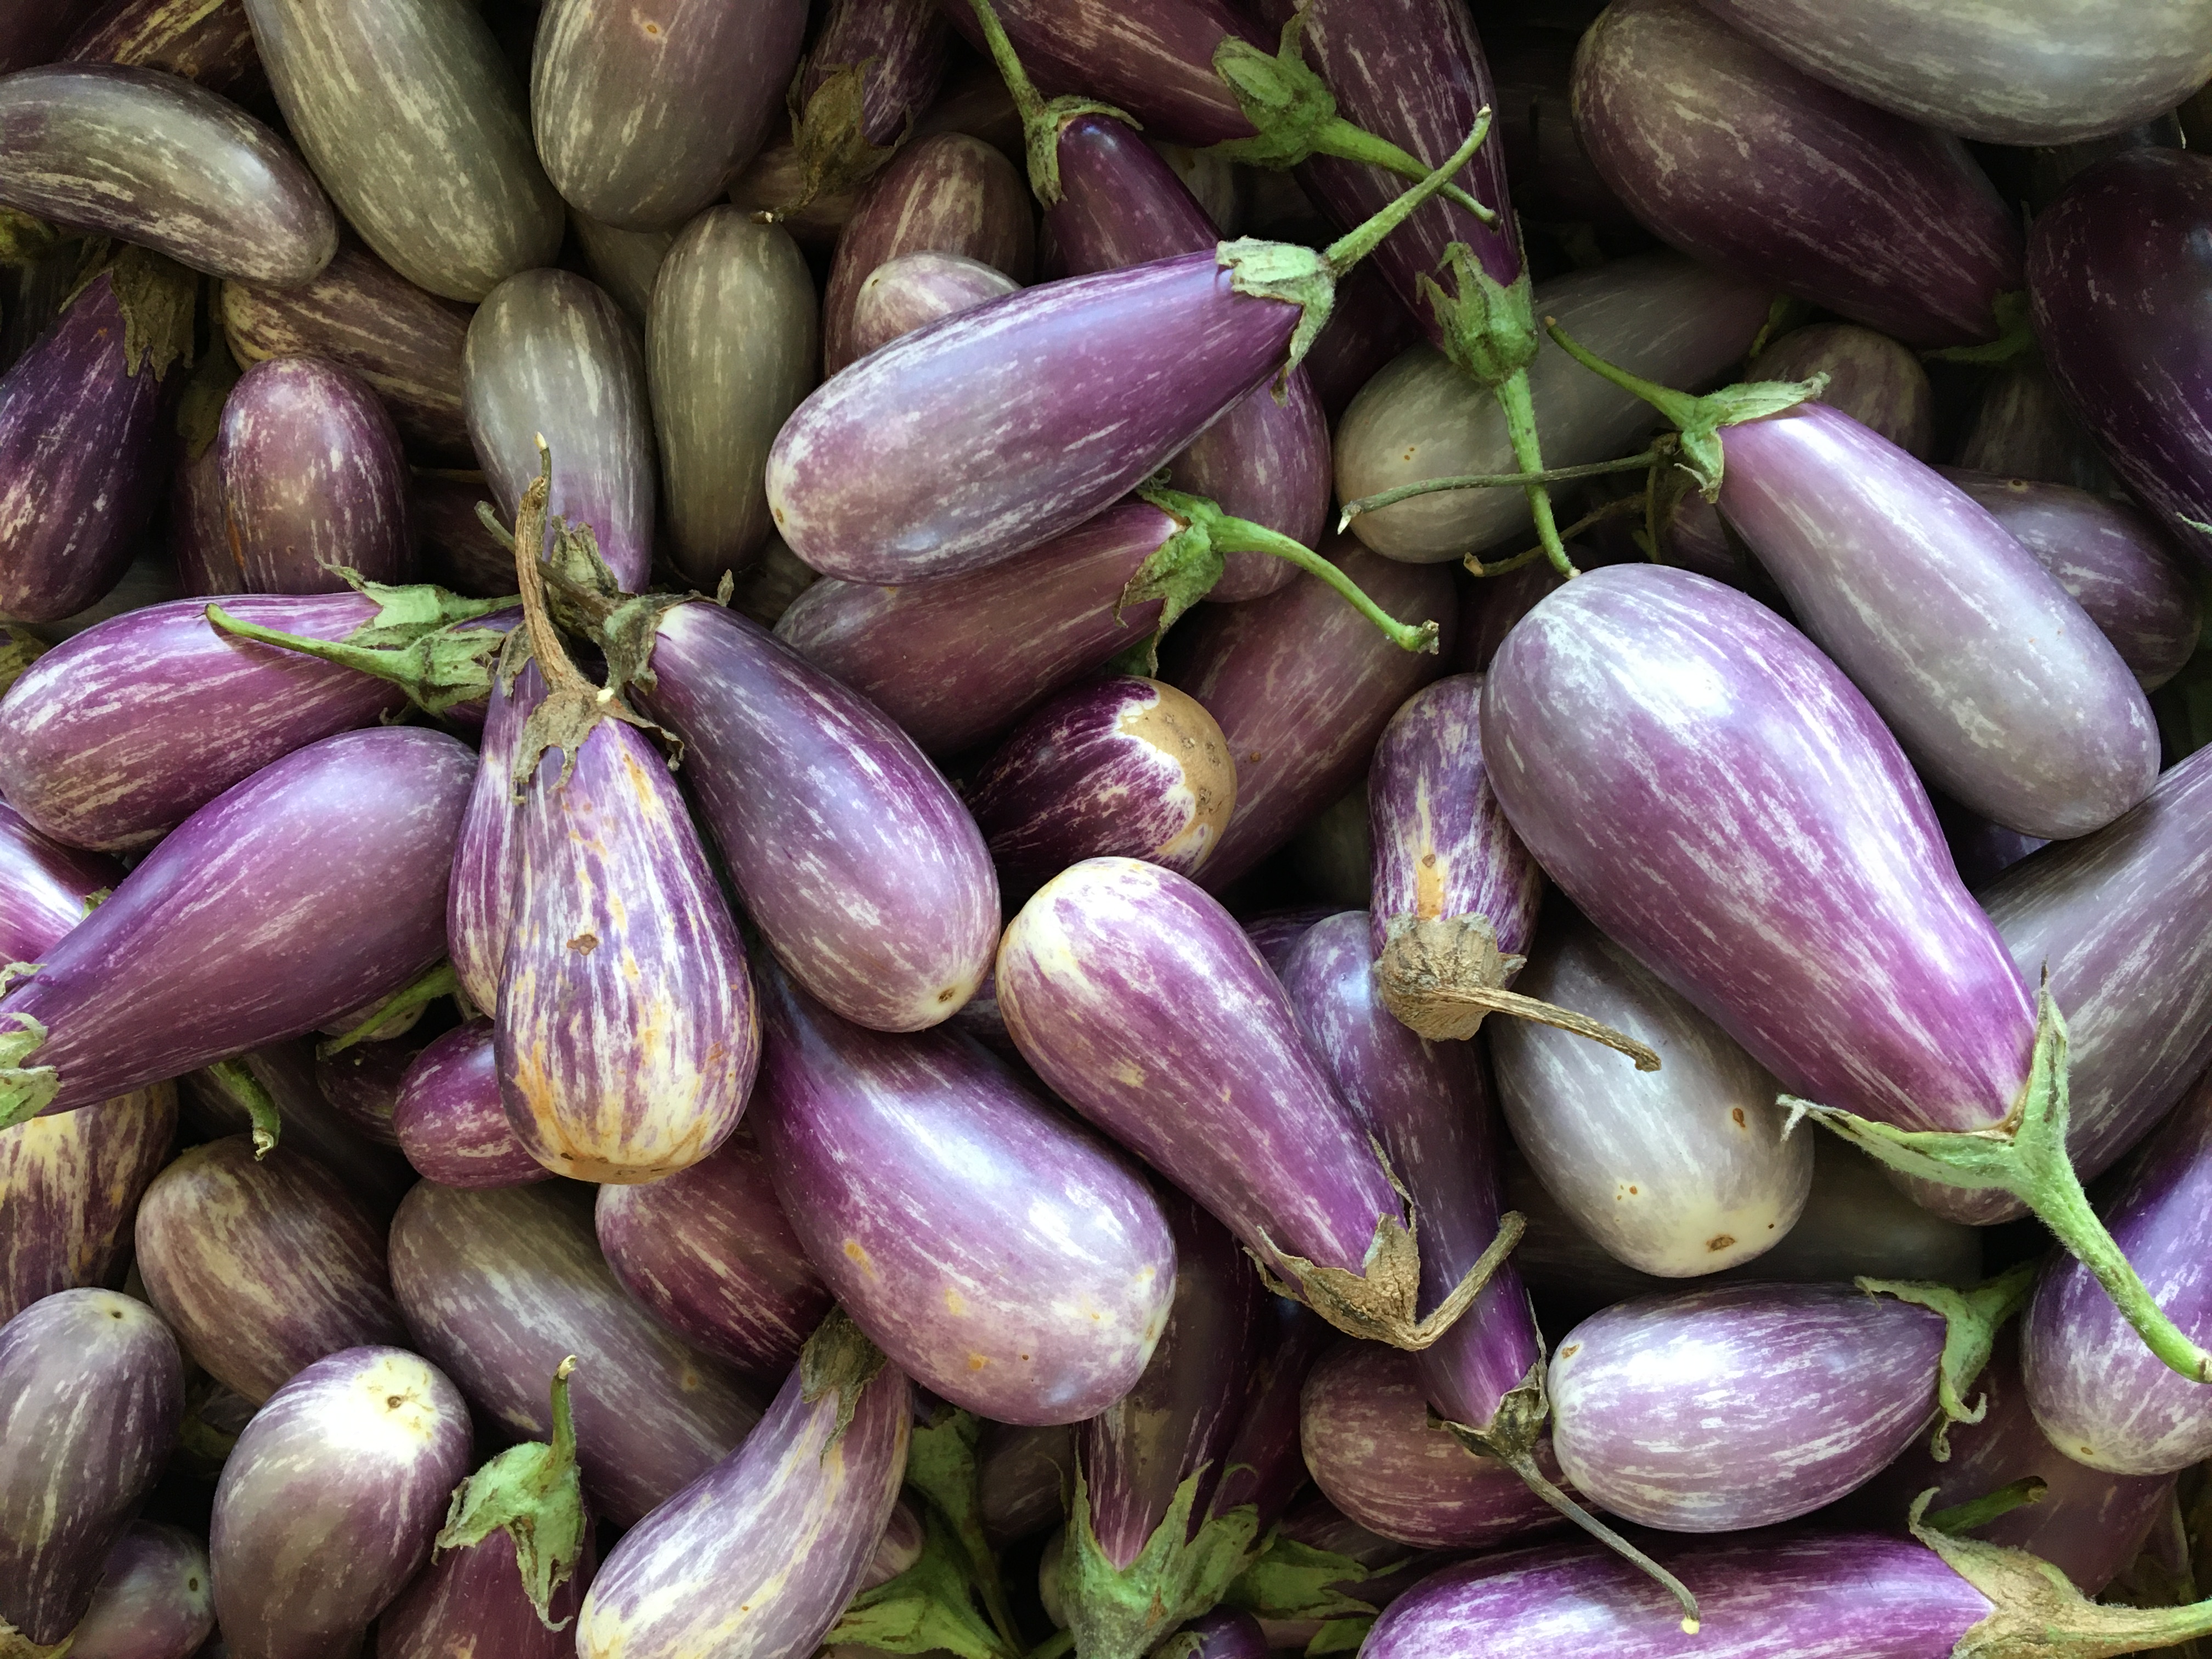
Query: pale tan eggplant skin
pixel 411 119
pixel 732 346
pixel 69 1186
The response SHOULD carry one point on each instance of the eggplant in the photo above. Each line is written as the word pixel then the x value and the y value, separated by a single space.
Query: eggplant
pixel 920 1174
pixel 236 1098
pixel 551 357
pixel 872 71
pixel 1872 378
pixel 480 895
pixel 359 1454
pixel 1122 766
pixel 1729 153
pixel 2023 429
pixel 156 1599
pixel 710 1254
pixel 623 262
pixel 1020 1475
pixel 362 1085
pixel 150 157
pixel 71 1185
pixel 640 121
pixel 1367 329
pixel 458 552
pixel 730 350
pixel 756 1558
pixel 46 887
pixel 315 885
pixel 211 45
pixel 498 1285
pixel 948 193
pixel 901 294
pixel 363 316
pixel 449 1120
pixel 413 121
pixel 91 1392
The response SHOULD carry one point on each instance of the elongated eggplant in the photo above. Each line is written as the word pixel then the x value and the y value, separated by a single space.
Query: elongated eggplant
pixel 1730 154
pixel 91 1392
pixel 233 1098
pixel 499 1286
pixel 313 886
pixel 623 262
pixel 46 888
pixel 150 157
pixel 212 45
pixel 70 1186
pixel 1050 1260
pixel 730 350
pixel 756 1558
pixel 362 1085
pixel 901 294
pixel 480 897
pixel 873 70
pixel 710 1253
pixel 156 1599
pixel 449 1120
pixel 363 316
pixel 412 119
pixel 359 1452
pixel 1872 378
pixel 2023 429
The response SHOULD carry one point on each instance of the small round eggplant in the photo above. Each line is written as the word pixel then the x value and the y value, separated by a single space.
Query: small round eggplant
pixel 156 1599
pixel 1877 382
pixel 449 1120
pixel 69 1186
pixel 901 294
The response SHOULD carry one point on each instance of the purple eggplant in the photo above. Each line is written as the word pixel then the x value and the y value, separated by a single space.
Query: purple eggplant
pixel 1872 378
pixel 362 1085
pixel 211 45
pixel 458 552
pixel 480 897
pixel 1124 766
pixel 871 72
pixel 901 294
pixel 358 1454
pixel 69 1185
pixel 46 887
pixel 151 158
pixel 91 1392
pixel 362 315
pixel 411 117
pixel 263 1266
pixel 449 1120
pixel 551 357
pixel 156 1599
pixel 1366 331
pixel 756 1558
pixel 948 194
pixel 2023 429
pixel 920 1175
pixel 1020 1477
pixel 710 1254
pixel 1733 157
pixel 499 1286
pixel 236 1098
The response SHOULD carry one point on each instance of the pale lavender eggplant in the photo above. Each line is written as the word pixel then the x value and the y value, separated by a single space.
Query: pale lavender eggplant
pixel 356 1456
pixel 1021 1474
pixel 1303 686
pixel 156 1599
pixel 92 1389
pixel 470 1601
pixel 1122 766
pixel 903 294
pixel 861 869
pixel 899 1549
pixel 1871 378
pixel 480 897
pixel 213 1103
pixel 499 1286
pixel 881 62
pixel 958 661
pixel 1729 153
pixel 315 886
pixel 948 193
pixel 69 1186
pixel 363 1084
pixel 46 888
pixel 548 354
pixel 1002 1257
pixel 756 1558
pixel 2023 429
pixel 449 1120
pixel 710 1254
pixel 211 45
pixel 2111 557
pixel 151 158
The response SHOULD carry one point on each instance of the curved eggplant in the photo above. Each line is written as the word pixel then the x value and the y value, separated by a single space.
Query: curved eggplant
pixel 69 1186
pixel 212 45
pixel 1877 382
pixel 449 1120
pixel 901 294
pixel 156 1599
pixel 224 1100
pixel 871 73
pixel 480 895
pixel 46 887
pixel 362 1085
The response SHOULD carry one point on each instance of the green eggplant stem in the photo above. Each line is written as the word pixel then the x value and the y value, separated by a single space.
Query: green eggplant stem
pixel 1980 1512
pixel 1512 395
pixel 1382 498
pixel 425 988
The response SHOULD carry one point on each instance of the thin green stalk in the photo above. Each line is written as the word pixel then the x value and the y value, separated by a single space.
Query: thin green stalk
pixel 1235 535
pixel 1382 498
pixel 1512 394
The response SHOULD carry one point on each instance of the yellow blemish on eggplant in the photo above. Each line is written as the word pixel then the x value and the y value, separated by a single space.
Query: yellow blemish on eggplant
pixel 858 1255
pixel 955 1304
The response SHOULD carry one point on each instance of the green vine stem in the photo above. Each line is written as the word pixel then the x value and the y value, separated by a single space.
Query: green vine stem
pixel 1406 492
pixel 1978 1512
pixel 260 1105
pixel 419 992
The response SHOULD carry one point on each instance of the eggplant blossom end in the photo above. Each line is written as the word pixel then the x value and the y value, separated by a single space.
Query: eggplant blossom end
pixel 1124 1612
pixel 1971 1319
pixel 536 1493
pixel 25 1091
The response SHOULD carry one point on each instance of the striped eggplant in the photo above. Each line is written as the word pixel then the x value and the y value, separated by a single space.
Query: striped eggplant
pixel 1729 153
pixel 363 1084
pixel 235 1098
pixel 948 193
pixel 156 1599
pixel 872 71
pixel 151 158
pixel 413 121
pixel 363 316
pixel 212 45
pixel 313 886
pixel 2111 557
pixel 359 1454
pixel 640 121
pixel 623 262
pixel 69 1186
pixel 756 1558
pixel 263 1266
pixel 1871 378
pixel 1679 1172
pixel 480 895
pixel 920 1174
pixel 458 552
pixel 1263 1466
pixel 46 888
pixel 79 439
pixel 901 294
pixel 498 1285
pixel 551 357
pixel 1124 766
pixel 450 1121
pixel 709 1253
pixel 729 350
pixel 2023 429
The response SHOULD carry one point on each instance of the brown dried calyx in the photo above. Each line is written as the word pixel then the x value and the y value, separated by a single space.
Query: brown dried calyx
pixel 1441 976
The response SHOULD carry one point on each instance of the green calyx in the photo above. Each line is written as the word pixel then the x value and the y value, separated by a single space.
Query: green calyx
pixel 1124 1612
pixel 535 1493
pixel 2015 336
pixel 436 981
pixel 1489 326
pixel 1971 1319
pixel 24 240
pixel 25 1091
pixel 1381 1303
pixel 199 410
pixel 19 649
pixel 941 1465
pixel 250 1092
pixel 839 1359
pixel 1978 1512
pixel 2025 1156
pixel 930 1607
pixel 1042 118
pixel 835 156
pixel 1288 1580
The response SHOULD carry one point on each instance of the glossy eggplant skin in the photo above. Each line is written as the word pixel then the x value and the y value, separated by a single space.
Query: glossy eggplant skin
pixel 71 1185
pixel 156 1599
pixel 480 895
pixel 151 158
pixel 92 1389
pixel 901 294
pixel 470 1601
pixel 897 51
pixel 2116 250
pixel 413 121
pixel 449 1119
pixel 640 122
pixel 1871 378
pixel 46 887
pixel 1729 153
pixel 211 45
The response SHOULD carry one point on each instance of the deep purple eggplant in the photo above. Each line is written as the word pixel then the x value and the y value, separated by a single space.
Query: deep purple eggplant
pixel 1733 157
pixel 69 1185
pixel 756 1558
pixel 920 1175
pixel 233 1098
pixel 449 1120
pixel 871 72
pixel 156 1599
pixel 153 159
pixel 91 1391
pixel 363 316
pixel 499 1286
pixel 212 45
pixel 2024 429
pixel 458 552
pixel 359 1454
pixel 1263 1466
pixel 946 194
pixel 480 897
pixel 1021 1475
pixel 362 1085
pixel 1124 766
pixel 710 1254
pixel 901 294
pixel 1877 382
pixel 46 887
pixel 313 886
